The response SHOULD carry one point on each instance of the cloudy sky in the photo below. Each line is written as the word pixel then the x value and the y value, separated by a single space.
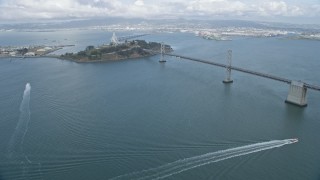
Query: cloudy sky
pixel 295 11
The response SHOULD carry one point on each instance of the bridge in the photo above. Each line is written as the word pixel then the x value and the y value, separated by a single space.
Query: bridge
pixel 297 91
pixel 117 40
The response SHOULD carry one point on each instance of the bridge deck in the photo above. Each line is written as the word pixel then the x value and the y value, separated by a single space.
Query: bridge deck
pixel 124 38
pixel 269 76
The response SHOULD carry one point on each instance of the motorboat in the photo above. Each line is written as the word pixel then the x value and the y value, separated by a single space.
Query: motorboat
pixel 294 140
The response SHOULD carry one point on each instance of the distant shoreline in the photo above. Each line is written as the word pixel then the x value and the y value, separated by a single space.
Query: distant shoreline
pixel 29 57
pixel 29 51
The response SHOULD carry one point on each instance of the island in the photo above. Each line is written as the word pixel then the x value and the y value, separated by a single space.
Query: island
pixel 29 51
pixel 112 52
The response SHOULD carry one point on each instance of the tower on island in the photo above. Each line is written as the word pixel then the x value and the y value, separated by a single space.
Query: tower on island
pixel 114 39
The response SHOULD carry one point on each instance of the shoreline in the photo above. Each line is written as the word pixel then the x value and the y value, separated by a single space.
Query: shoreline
pixel 66 59
pixel 25 57
pixel 106 60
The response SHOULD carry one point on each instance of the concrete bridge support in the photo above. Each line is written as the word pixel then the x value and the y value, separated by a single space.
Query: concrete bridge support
pixel 297 94
pixel 228 68
pixel 162 60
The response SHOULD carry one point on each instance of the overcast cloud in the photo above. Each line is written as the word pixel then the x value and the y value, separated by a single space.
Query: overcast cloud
pixel 209 9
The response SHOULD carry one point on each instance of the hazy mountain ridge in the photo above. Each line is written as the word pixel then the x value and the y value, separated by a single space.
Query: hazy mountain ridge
pixel 178 23
pixel 208 29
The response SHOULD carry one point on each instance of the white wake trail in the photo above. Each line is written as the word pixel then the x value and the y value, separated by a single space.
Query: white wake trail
pixel 17 138
pixel 180 166
pixel 15 154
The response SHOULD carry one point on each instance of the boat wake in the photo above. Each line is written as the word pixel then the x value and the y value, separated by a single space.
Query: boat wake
pixel 17 138
pixel 182 165
pixel 15 153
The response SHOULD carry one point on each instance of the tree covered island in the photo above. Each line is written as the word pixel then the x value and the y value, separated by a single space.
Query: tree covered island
pixel 127 50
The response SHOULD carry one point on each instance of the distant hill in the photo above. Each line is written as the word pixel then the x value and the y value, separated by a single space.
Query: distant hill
pixel 179 23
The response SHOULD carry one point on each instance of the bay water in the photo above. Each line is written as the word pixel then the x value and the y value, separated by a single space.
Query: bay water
pixel 107 120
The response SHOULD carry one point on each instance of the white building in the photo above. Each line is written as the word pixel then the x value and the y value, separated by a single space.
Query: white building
pixel 30 54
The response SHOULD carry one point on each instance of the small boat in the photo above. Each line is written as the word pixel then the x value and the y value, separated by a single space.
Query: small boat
pixel 294 140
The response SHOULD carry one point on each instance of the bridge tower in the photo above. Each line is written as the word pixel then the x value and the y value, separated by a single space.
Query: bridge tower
pixel 114 39
pixel 297 94
pixel 228 68
pixel 163 51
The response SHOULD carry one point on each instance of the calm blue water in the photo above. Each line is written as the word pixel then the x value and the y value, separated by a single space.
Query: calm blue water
pixel 103 120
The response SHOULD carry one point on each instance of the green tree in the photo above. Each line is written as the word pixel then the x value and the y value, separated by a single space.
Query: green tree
pixel 82 53
pixel 89 48
pixel 22 51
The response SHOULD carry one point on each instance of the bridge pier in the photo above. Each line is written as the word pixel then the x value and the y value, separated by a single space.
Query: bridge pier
pixel 162 60
pixel 228 68
pixel 297 94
